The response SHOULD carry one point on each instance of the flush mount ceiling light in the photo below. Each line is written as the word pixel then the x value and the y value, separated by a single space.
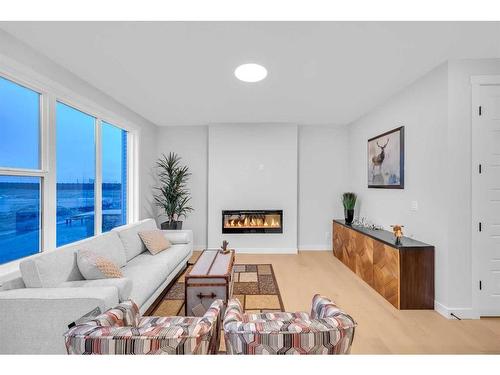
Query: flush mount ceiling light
pixel 250 72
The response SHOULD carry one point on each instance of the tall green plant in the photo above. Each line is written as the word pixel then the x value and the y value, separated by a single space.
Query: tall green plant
pixel 349 200
pixel 173 195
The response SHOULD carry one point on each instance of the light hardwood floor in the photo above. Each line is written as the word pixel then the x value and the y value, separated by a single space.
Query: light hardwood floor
pixel 381 328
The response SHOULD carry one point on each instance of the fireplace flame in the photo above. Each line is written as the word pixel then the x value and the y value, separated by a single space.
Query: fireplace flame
pixel 249 221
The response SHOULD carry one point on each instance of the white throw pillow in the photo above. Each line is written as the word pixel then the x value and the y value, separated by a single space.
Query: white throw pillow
pixel 154 240
pixel 177 237
pixel 94 267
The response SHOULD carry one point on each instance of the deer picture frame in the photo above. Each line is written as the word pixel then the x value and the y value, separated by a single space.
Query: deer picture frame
pixel 386 155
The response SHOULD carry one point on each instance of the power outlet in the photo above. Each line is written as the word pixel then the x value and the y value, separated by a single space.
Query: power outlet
pixel 414 205
pixel 327 236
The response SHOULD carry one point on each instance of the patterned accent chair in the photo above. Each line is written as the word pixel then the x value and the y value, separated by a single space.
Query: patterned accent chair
pixel 122 330
pixel 327 330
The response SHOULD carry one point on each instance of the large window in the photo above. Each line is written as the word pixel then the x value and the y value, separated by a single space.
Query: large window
pixel 20 173
pixel 75 174
pixel 114 176
pixel 63 171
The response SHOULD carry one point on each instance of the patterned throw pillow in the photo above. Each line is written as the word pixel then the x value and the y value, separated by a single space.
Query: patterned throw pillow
pixel 93 266
pixel 154 240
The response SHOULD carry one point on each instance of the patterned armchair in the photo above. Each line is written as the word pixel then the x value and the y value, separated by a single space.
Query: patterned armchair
pixel 327 330
pixel 122 330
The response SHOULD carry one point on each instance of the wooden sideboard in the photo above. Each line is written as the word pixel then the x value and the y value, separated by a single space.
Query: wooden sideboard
pixel 402 274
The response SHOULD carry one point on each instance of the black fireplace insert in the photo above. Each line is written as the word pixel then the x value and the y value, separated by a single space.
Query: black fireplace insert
pixel 252 221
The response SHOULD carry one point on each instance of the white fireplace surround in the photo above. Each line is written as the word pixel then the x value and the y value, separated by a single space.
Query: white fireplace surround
pixel 253 167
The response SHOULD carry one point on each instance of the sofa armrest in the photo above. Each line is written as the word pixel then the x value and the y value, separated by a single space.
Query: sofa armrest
pixel 233 314
pixel 123 285
pixel 126 314
pixel 106 295
pixel 36 318
pixel 212 315
pixel 324 308
pixel 184 236
pixel 15 283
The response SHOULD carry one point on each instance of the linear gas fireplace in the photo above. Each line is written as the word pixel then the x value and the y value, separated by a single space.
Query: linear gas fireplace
pixel 252 221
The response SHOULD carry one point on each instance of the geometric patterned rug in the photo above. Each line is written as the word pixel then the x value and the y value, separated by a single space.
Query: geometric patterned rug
pixel 254 285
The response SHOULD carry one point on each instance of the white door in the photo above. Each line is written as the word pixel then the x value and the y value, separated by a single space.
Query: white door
pixel 486 197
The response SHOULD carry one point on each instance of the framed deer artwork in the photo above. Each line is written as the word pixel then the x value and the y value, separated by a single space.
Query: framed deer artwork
pixel 386 157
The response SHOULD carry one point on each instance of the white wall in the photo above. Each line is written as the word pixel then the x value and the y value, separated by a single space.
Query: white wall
pixel 422 109
pixel 323 172
pixel 253 166
pixel 436 113
pixel 190 143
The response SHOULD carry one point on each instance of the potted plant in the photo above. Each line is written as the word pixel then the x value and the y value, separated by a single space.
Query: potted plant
pixel 349 201
pixel 173 195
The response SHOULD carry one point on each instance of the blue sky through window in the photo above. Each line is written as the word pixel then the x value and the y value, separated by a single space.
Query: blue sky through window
pixel 19 126
pixel 75 145
pixel 75 174
pixel 114 176
pixel 112 146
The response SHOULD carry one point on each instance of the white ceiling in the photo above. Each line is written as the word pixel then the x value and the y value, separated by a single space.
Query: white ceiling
pixel 181 73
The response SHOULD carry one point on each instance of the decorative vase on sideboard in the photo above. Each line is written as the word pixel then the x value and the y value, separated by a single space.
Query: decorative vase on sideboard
pixel 349 216
pixel 349 202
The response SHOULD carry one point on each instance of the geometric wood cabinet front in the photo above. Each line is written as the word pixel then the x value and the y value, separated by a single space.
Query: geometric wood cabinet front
pixel 386 272
pixel 403 275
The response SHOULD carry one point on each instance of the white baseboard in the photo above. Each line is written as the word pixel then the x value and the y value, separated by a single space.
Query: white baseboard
pixel 253 250
pixel 315 248
pixel 460 312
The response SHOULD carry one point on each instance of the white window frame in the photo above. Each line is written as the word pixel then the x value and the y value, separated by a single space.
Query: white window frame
pixel 51 93
pixel 41 171
pixel 98 160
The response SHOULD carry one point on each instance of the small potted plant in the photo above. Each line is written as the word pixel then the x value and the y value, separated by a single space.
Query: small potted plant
pixel 173 195
pixel 349 201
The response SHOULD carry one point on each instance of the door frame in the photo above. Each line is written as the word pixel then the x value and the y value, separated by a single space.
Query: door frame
pixel 476 83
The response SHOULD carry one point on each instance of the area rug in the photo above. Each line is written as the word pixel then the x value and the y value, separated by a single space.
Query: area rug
pixel 254 285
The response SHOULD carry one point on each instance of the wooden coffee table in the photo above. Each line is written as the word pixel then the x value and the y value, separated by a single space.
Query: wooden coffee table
pixel 210 278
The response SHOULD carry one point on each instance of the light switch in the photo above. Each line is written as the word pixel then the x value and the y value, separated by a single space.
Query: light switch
pixel 414 205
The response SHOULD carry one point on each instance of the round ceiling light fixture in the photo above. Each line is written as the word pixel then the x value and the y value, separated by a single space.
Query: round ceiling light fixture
pixel 250 72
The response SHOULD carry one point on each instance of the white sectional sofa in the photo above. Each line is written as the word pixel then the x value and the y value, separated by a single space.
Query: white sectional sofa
pixel 36 308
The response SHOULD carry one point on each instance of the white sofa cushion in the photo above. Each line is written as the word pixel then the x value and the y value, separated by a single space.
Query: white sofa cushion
pixel 52 268
pixel 123 285
pixel 177 237
pixel 148 271
pixel 129 235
